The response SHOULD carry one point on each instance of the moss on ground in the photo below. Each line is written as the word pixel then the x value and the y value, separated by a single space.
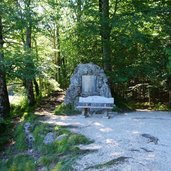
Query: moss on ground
pixel 59 155
pixel 66 110
pixel 21 162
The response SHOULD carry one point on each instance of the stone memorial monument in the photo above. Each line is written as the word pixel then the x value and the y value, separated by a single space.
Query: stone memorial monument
pixel 87 80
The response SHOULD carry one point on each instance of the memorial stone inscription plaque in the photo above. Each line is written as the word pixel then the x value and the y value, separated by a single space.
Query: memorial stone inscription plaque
pixel 88 85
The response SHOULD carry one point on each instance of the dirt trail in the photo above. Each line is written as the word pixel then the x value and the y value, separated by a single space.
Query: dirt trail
pixel 127 142
pixel 48 103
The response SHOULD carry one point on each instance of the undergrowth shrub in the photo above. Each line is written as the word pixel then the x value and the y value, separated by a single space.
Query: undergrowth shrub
pixel 66 109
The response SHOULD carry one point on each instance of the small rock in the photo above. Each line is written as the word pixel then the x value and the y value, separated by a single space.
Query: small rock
pixel 31 138
pixel 27 126
pixel 49 138
pixel 43 169
pixel 61 137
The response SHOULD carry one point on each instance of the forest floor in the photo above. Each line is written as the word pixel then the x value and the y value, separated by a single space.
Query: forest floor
pixel 126 142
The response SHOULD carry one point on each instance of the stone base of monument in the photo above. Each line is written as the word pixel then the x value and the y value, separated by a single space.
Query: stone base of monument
pixel 87 80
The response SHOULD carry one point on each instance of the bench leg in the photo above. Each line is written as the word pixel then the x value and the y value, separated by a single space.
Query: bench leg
pixel 85 112
pixel 107 114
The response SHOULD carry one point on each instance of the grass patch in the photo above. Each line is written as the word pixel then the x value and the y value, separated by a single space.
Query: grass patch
pixel 18 163
pixel 65 165
pixel 19 138
pixel 75 139
pixel 59 155
pixel 5 133
pixel 66 110
pixel 150 106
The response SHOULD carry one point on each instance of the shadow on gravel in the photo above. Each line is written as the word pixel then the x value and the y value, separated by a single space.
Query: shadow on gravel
pixel 119 160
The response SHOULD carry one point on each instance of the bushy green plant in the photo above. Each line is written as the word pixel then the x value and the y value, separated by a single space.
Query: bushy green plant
pixel 22 109
pixel 160 106
pixel 60 154
pixel 76 139
pixel 66 110
pixel 18 163
pixel 65 165
pixel 5 132
pixel 20 143
pixel 49 85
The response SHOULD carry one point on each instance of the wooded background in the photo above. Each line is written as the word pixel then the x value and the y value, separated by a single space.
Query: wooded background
pixel 43 41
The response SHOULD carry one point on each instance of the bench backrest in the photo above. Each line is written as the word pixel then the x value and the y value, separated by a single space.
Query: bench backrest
pixel 96 99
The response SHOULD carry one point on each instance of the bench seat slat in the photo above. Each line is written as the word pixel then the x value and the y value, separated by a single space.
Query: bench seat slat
pixel 95 107
pixel 96 104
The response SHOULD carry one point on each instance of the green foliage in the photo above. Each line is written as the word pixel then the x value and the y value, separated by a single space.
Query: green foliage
pixel 19 109
pixel 159 106
pixel 122 105
pixel 168 53
pixel 75 139
pixel 5 133
pixel 60 154
pixel 22 110
pixel 150 106
pixel 18 163
pixel 65 165
pixel 19 138
pixel 66 110
pixel 64 146
pixel 48 86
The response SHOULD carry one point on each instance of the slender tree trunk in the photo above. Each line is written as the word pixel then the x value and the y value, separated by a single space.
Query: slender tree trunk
pixel 29 81
pixel 36 85
pixel 105 37
pixel 57 57
pixel 79 11
pixel 59 63
pixel 57 54
pixel 4 100
pixel 105 34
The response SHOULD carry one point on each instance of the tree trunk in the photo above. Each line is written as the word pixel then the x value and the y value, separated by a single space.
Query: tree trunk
pixel 105 34
pixel 105 37
pixel 29 81
pixel 4 100
pixel 57 55
pixel 79 11
pixel 36 85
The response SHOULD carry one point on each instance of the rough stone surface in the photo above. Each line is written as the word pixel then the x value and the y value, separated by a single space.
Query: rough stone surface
pixel 29 137
pixel 27 127
pixel 75 89
pixel 49 138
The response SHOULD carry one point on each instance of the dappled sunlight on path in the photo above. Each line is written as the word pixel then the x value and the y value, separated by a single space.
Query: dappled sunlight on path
pixel 142 137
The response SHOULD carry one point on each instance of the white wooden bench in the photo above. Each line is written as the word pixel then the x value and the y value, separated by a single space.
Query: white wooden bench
pixel 95 102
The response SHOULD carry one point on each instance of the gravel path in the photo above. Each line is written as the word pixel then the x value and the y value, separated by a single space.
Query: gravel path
pixel 137 141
